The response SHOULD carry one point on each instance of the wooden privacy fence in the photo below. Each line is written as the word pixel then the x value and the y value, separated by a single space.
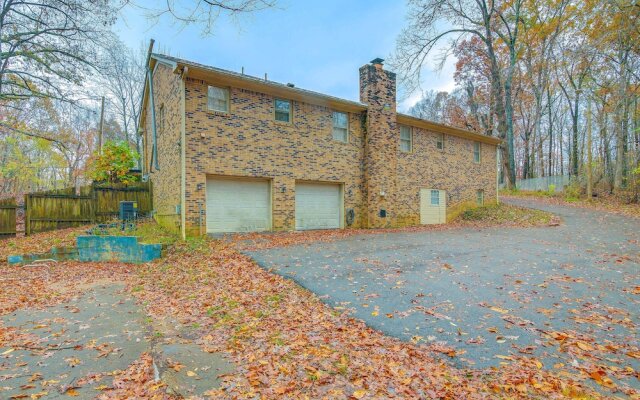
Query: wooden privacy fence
pixel 8 217
pixel 45 211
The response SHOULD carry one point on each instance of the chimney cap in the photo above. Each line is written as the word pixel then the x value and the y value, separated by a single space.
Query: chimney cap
pixel 377 61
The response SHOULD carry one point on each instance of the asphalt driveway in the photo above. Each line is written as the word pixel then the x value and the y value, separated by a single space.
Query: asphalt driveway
pixel 490 293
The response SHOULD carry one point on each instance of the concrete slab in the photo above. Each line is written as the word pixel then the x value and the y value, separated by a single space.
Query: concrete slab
pixel 83 340
pixel 80 344
pixel 189 371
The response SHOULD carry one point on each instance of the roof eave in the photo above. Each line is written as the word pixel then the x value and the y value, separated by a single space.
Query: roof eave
pixel 221 77
pixel 446 129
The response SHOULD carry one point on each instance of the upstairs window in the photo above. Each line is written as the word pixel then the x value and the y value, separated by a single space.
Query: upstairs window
pixel 283 110
pixel 440 142
pixel 476 152
pixel 340 127
pixel 218 99
pixel 406 139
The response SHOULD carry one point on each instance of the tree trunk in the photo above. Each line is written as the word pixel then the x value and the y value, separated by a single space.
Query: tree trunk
pixel 622 123
pixel 574 138
pixel 589 157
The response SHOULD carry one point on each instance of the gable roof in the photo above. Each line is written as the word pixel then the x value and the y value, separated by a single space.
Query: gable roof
pixel 230 78
pixel 235 79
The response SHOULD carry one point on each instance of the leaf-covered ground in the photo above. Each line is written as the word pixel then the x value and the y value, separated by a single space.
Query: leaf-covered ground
pixel 284 341
pixel 561 296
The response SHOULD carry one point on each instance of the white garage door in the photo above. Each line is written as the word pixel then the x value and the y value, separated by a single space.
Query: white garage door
pixel 238 206
pixel 433 206
pixel 317 206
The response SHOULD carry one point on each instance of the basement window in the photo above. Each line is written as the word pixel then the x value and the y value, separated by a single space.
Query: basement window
pixel 406 139
pixel 340 127
pixel 476 152
pixel 283 110
pixel 480 197
pixel 218 99
pixel 440 142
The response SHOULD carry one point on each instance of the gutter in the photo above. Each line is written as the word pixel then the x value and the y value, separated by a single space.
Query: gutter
pixel 498 147
pixel 154 148
pixel 183 155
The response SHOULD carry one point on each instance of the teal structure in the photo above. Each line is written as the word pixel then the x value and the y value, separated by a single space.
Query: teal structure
pixel 116 248
pixel 97 248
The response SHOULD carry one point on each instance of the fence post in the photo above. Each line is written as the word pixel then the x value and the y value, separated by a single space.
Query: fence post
pixel 94 203
pixel 27 209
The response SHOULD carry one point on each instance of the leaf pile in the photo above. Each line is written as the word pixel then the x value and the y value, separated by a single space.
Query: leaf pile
pixel 39 242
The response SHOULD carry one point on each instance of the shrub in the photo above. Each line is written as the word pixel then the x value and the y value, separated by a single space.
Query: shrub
pixel 114 163
pixel 572 191
pixel 552 189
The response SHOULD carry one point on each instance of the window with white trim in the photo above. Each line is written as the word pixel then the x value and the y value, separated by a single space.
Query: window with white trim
pixel 218 99
pixel 340 126
pixel 406 139
pixel 480 197
pixel 283 110
pixel 476 152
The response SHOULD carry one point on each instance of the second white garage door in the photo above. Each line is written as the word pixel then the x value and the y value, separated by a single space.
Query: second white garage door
pixel 238 205
pixel 317 206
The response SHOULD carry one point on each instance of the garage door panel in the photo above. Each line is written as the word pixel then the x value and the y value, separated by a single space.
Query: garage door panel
pixel 238 206
pixel 317 206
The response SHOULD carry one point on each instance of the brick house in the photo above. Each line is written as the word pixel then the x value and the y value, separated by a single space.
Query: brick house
pixel 227 152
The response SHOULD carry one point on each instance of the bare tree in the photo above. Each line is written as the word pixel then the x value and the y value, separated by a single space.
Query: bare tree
pixel 46 46
pixel 204 13
pixel 431 106
pixel 124 71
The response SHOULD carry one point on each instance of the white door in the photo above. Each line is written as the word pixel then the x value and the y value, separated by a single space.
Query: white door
pixel 433 206
pixel 317 206
pixel 238 205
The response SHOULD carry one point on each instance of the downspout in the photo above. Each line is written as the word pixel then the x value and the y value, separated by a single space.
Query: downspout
pixel 141 160
pixel 154 148
pixel 498 174
pixel 183 155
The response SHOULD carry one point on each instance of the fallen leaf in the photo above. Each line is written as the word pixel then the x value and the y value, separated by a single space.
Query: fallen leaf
pixel 584 346
pixel 360 393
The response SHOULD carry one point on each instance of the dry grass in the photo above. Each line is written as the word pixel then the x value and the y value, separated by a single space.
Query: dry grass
pixel 609 203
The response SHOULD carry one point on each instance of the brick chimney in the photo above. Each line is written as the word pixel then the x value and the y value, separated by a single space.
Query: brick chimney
pixel 378 91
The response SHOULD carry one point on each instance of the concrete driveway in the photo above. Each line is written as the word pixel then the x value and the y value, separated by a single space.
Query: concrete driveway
pixel 489 292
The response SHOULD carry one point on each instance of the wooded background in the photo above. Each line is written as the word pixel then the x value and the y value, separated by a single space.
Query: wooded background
pixel 558 80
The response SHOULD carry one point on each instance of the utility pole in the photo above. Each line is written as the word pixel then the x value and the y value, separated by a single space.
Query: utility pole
pixel 100 131
pixel 589 155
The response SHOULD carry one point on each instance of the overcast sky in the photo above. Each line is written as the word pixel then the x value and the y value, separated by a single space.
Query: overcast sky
pixel 317 45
